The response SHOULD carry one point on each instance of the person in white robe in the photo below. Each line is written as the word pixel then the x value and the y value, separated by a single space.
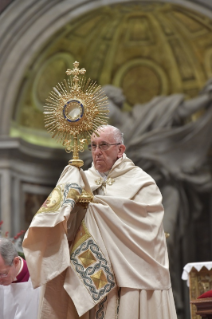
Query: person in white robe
pixel 108 260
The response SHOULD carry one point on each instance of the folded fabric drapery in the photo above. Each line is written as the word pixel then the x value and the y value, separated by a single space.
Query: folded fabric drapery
pixel 91 258
pixel 19 300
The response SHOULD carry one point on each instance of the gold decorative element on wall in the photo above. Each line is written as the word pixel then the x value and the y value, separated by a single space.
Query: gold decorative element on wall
pixel 136 75
pixel 48 75
pixel 185 66
pixel 74 110
pixel 147 49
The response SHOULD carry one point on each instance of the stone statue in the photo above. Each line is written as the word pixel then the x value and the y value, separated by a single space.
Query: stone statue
pixel 161 138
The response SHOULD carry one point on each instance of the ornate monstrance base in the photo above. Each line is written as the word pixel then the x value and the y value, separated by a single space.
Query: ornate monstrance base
pixel 85 198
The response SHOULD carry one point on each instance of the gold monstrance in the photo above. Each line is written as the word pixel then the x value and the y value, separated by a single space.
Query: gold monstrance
pixel 74 110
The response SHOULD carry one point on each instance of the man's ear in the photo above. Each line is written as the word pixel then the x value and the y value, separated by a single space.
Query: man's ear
pixel 122 149
pixel 16 261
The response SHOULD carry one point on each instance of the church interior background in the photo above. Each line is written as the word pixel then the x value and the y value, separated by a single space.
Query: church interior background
pixel 147 49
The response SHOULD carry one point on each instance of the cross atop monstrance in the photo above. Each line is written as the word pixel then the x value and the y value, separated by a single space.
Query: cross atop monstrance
pixel 76 71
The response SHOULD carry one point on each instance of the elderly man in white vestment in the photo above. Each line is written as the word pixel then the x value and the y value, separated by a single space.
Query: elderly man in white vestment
pixel 108 260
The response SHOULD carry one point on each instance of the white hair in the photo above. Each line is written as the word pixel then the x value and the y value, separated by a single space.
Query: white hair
pixel 117 134
pixel 7 251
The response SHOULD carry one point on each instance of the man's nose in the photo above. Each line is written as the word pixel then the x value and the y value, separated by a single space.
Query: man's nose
pixel 97 150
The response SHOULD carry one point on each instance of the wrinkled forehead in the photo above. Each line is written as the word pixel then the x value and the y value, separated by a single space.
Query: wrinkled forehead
pixel 105 134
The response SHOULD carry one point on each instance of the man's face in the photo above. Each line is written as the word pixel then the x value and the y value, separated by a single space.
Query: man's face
pixel 7 273
pixel 104 160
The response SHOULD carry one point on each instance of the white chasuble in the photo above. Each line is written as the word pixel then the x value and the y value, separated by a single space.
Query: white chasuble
pixel 91 260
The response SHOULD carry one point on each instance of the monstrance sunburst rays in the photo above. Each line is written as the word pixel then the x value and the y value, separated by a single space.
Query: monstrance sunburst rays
pixel 74 110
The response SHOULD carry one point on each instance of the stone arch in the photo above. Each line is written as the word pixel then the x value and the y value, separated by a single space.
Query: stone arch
pixel 26 27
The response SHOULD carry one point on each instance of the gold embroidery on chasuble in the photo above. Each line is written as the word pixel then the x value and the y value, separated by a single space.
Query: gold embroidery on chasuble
pixel 99 279
pixel 53 202
pixel 62 195
pixel 73 194
pixel 81 236
pixel 99 181
pixel 109 181
pixel 87 258
pixel 91 266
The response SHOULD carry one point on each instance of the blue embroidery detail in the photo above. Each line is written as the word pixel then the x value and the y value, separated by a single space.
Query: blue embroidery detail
pixel 100 314
pixel 70 201
pixel 85 274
